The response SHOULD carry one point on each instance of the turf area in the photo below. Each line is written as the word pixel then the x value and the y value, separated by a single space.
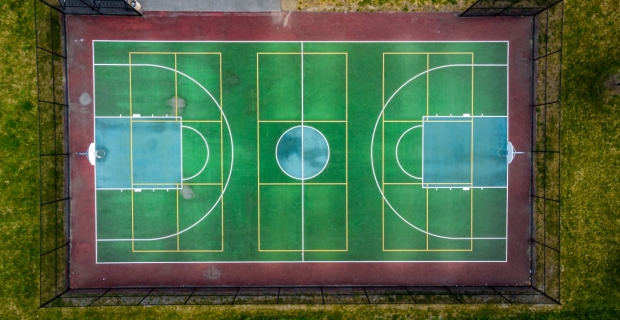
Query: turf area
pixel 161 107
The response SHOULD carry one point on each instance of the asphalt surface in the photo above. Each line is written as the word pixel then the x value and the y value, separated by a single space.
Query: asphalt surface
pixel 211 5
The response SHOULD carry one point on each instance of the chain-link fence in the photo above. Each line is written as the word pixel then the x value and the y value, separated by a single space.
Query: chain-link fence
pixel 95 7
pixel 547 114
pixel 548 18
pixel 54 183
pixel 300 295
pixel 508 7
pixel 53 150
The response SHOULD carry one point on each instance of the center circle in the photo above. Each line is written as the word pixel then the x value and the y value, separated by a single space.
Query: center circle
pixel 302 152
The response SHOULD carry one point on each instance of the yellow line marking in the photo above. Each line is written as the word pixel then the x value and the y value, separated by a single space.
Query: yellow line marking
pixel 173 52
pixel 130 91
pixel 427 53
pixel 403 183
pixel 318 121
pixel 447 183
pixel 278 53
pixel 429 250
pixel 155 184
pixel 184 250
pixel 382 152
pixel 428 62
pixel 178 235
pixel 305 183
pixel 258 144
pixel 176 88
pixel 305 250
pixel 149 121
pixel 222 151
pixel 132 224
pixel 472 83
pixel 346 130
pixel 203 121
pixel 202 184
pixel 471 159
pixel 448 121
pixel 425 184
pixel 471 215
pixel 263 184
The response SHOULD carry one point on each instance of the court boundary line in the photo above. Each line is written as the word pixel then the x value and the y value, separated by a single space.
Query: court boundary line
pixel 307 41
pixel 311 261
pixel 346 261
pixel 259 121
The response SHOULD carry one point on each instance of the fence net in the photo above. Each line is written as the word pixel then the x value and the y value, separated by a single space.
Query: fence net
pixel 547 17
pixel 53 153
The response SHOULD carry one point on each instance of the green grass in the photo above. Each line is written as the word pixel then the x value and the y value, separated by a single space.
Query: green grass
pixel 590 167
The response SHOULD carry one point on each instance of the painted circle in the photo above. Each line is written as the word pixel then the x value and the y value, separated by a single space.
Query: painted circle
pixel 302 152
pixel 397 156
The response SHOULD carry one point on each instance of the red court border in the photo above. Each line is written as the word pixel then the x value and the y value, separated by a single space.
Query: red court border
pixel 296 26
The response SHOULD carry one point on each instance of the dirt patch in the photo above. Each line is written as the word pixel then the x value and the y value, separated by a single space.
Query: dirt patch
pixel 382 5
pixel 176 102
pixel 613 84
pixel 187 193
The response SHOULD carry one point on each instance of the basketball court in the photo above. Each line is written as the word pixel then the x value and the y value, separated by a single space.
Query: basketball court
pixel 385 154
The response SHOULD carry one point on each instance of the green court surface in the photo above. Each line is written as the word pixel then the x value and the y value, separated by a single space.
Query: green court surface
pixel 292 152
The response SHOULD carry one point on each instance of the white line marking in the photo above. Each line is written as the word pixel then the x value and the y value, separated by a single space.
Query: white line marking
pixel 259 41
pixel 206 145
pixel 372 142
pixel 146 120
pixel 507 130
pixel 302 173
pixel 95 142
pixel 302 155
pixel 398 161
pixel 313 261
pixel 232 153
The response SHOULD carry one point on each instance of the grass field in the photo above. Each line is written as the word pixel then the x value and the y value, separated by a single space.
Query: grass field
pixel 590 242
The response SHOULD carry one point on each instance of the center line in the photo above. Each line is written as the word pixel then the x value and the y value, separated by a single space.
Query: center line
pixel 302 152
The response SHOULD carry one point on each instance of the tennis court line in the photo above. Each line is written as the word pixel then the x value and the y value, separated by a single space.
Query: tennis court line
pixel 299 183
pixel 381 117
pixel 176 90
pixel 178 236
pixel 231 142
pixel 143 118
pixel 346 54
pixel 302 122
pixel 306 121
pixel 382 152
pixel 222 187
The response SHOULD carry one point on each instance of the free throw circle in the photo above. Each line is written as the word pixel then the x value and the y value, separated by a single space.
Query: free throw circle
pixel 302 152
